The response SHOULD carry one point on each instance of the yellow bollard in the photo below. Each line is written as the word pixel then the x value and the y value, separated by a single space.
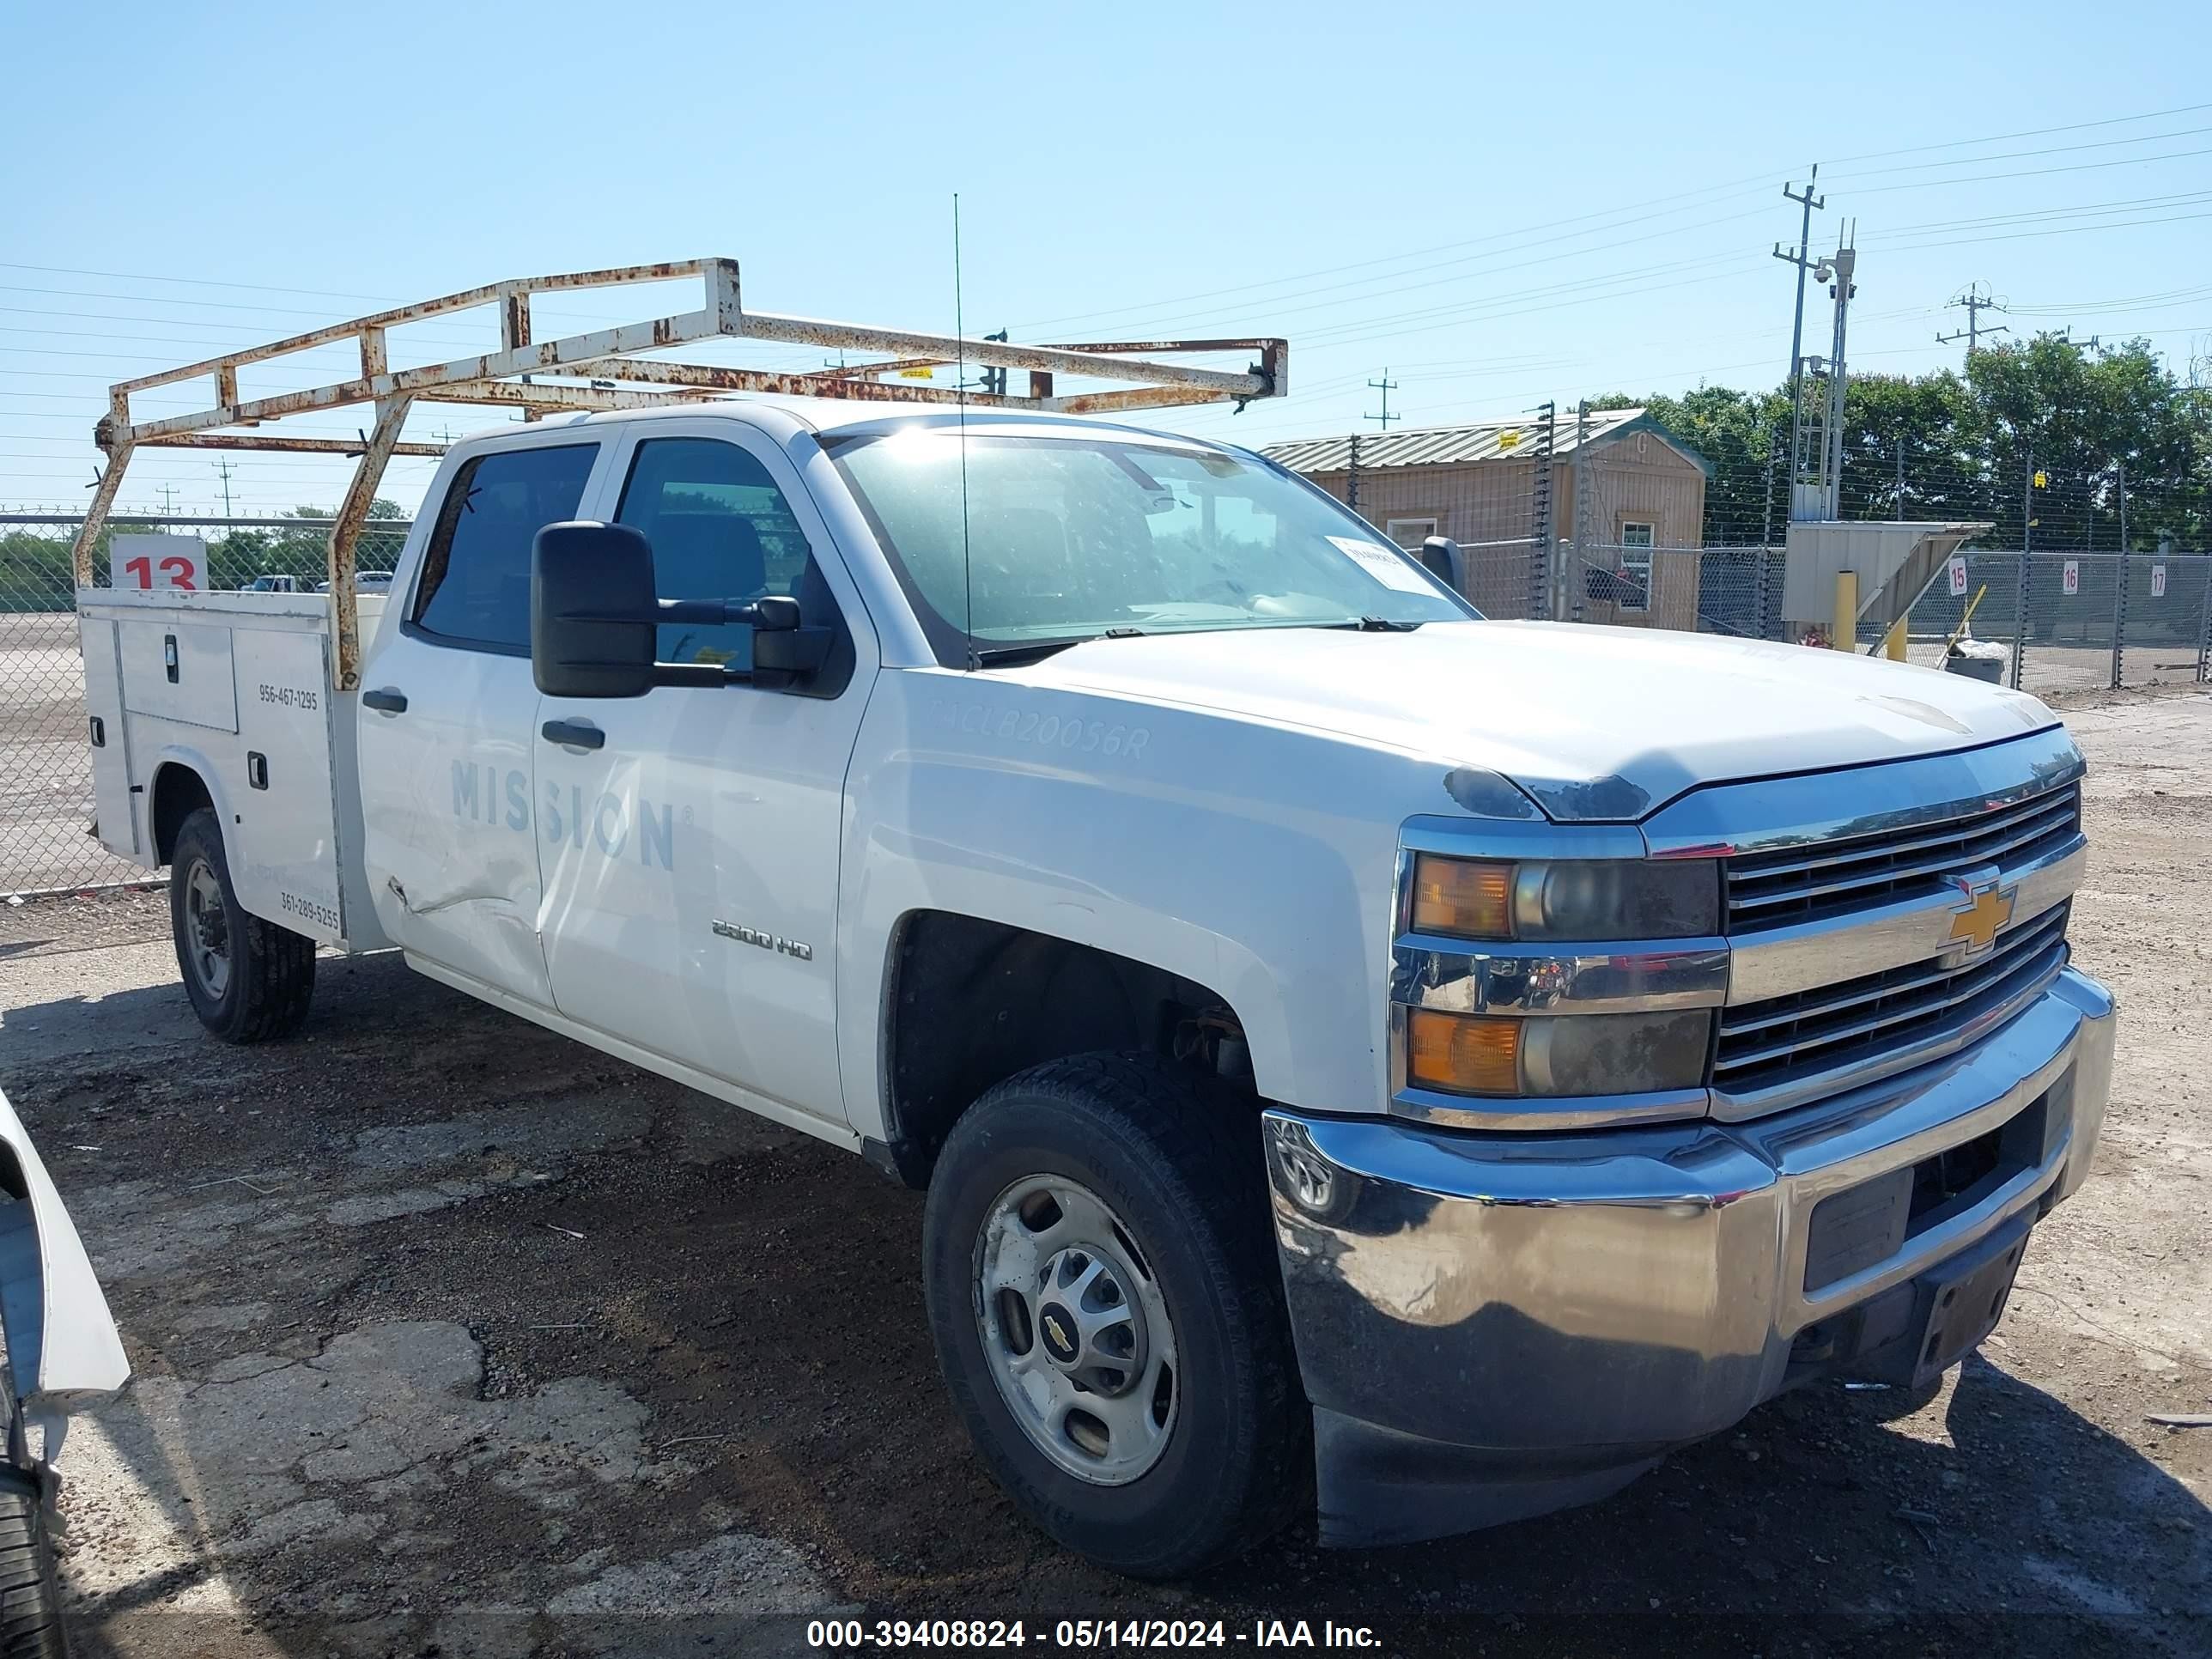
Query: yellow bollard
pixel 1893 644
pixel 1844 634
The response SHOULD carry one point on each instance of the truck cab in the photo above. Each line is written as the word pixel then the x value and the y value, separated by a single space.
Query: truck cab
pixel 1341 1040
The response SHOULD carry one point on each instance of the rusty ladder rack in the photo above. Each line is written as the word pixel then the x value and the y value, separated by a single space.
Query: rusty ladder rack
pixel 604 359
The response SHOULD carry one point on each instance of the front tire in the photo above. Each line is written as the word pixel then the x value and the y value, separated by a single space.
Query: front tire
pixel 249 981
pixel 30 1595
pixel 1109 1315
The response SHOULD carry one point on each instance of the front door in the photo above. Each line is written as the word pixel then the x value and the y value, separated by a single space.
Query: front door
pixel 448 739
pixel 690 845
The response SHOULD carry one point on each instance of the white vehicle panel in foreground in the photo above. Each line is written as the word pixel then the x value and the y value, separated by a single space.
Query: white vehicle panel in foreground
pixel 62 1349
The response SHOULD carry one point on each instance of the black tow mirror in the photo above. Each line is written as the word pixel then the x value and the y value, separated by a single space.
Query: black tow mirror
pixel 786 651
pixel 592 611
pixel 1441 558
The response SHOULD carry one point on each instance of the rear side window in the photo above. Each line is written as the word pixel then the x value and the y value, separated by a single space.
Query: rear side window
pixel 475 576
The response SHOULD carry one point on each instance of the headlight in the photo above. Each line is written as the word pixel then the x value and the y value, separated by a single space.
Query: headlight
pixel 1557 1055
pixel 1607 899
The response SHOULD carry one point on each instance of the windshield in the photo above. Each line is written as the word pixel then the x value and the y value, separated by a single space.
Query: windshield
pixel 1066 539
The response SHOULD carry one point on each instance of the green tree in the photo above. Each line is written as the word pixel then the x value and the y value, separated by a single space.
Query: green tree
pixel 301 551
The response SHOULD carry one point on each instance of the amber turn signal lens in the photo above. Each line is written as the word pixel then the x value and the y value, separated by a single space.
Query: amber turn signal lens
pixel 1462 897
pixel 1466 1055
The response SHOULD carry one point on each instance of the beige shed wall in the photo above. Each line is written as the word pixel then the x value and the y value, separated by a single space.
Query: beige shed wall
pixel 1479 502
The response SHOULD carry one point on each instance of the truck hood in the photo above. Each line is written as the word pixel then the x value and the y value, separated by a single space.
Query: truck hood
pixel 1599 724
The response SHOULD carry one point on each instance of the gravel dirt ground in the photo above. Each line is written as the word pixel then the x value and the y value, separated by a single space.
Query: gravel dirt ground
pixel 455 1337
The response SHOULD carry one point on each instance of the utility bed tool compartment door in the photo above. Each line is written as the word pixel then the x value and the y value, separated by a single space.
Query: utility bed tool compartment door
pixel 110 751
pixel 179 672
pixel 284 853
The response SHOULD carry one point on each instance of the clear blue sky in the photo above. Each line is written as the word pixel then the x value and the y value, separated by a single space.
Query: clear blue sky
pixel 1498 205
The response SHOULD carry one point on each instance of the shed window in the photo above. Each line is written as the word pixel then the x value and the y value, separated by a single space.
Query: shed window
pixel 1409 533
pixel 1633 591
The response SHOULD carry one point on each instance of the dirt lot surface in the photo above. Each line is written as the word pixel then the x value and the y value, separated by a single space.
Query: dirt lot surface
pixel 454 1338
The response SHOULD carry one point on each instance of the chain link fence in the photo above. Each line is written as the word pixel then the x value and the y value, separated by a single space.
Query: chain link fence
pixel 2069 621
pixel 46 844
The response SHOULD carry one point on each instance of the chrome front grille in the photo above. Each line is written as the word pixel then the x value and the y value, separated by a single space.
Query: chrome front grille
pixel 1852 872
pixel 1776 1042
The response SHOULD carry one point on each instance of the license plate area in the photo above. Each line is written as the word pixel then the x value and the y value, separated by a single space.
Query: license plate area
pixel 1952 1307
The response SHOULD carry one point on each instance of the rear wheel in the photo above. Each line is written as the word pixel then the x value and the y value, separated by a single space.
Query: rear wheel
pixel 249 980
pixel 1109 1315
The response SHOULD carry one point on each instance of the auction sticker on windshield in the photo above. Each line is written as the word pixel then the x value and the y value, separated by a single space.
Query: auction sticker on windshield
pixel 1387 567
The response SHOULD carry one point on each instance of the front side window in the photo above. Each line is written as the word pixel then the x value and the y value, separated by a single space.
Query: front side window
pixel 474 589
pixel 1041 540
pixel 719 530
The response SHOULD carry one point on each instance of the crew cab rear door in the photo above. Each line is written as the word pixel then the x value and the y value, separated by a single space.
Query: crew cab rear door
pixel 448 739
pixel 689 842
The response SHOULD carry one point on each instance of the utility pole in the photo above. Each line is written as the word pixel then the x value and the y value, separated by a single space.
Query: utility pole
pixel 223 469
pixel 1541 538
pixel 1766 519
pixel 1577 582
pixel 2120 579
pixel 1802 258
pixel 168 505
pixel 1386 386
pixel 1976 302
pixel 1840 267
pixel 1901 477
pixel 2031 484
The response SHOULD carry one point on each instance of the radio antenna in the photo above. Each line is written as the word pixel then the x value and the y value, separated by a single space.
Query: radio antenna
pixel 960 368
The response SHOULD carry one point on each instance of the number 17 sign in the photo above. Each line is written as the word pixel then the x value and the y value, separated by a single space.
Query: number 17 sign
pixel 151 561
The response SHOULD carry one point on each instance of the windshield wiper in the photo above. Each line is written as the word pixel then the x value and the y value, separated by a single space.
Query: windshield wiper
pixel 994 656
pixel 1377 625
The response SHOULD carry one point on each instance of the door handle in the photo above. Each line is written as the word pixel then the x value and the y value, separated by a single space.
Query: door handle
pixel 386 700
pixel 575 734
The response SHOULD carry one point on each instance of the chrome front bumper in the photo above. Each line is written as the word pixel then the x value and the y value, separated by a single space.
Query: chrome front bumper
pixel 1492 1325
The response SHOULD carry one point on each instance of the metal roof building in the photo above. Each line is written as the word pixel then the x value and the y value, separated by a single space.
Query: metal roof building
pixel 1452 445
pixel 1623 503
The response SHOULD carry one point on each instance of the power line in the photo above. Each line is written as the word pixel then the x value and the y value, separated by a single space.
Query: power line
pixel 1147 308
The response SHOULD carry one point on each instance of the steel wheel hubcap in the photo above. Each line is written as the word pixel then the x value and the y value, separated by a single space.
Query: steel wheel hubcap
pixel 1075 1330
pixel 206 930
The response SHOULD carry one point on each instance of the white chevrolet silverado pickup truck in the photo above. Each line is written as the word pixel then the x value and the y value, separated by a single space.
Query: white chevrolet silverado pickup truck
pixel 1356 1052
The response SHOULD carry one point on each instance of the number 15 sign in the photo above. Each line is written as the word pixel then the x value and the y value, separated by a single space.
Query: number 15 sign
pixel 150 562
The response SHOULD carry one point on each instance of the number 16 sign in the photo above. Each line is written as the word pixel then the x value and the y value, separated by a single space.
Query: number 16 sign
pixel 150 562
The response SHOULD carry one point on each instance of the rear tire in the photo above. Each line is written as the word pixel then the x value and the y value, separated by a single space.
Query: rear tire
pixel 30 1595
pixel 249 981
pixel 1091 1225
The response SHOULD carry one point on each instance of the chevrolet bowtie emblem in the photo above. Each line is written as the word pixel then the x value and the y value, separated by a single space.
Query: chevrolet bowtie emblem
pixel 1977 922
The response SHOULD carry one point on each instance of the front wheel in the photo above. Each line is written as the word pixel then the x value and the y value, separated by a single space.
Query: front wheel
pixel 30 1596
pixel 1108 1312
pixel 249 980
